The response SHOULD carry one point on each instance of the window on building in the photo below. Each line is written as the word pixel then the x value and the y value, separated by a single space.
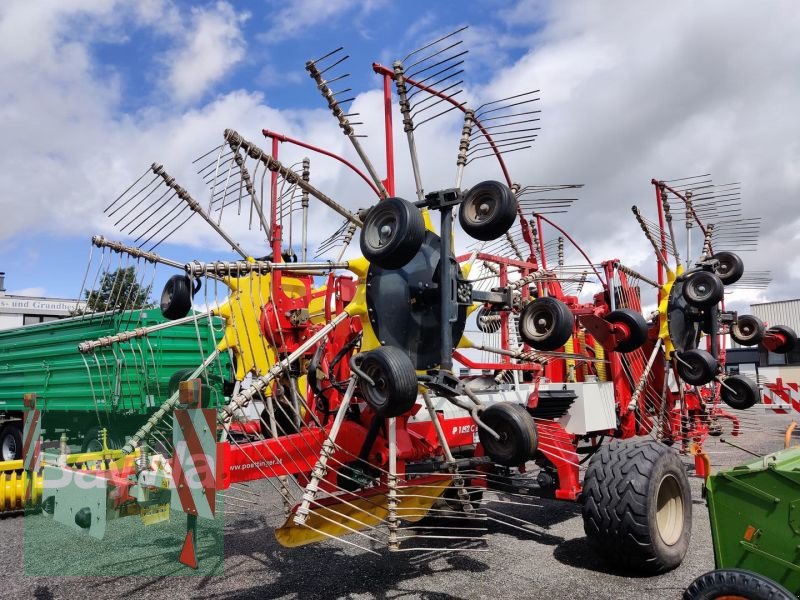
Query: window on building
pixel 793 358
pixel 34 319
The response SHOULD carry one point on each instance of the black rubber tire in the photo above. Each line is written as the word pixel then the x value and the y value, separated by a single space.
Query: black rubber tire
pixel 622 491
pixel 517 430
pixel 703 289
pixel 748 330
pixel 730 268
pixel 393 233
pixel 487 327
pixel 11 441
pixel 546 323
pixel 91 440
pixel 735 583
pixel 488 210
pixel 701 367
pixel 745 392
pixel 176 298
pixel 395 389
pixel 789 334
pixel 636 325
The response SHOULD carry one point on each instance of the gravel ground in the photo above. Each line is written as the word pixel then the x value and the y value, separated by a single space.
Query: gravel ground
pixel 46 561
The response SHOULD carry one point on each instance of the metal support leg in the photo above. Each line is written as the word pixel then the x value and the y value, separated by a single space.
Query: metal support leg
pixel 320 468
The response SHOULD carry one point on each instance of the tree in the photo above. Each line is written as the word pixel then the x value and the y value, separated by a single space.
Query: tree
pixel 119 290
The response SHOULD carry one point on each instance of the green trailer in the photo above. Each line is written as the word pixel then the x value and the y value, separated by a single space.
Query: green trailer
pixel 115 387
pixel 755 526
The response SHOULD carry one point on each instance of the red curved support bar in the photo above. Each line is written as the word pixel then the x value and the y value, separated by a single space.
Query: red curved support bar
pixel 385 71
pixel 566 235
pixel 285 138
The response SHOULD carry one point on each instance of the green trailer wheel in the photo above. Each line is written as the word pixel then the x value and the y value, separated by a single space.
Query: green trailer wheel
pixel 735 584
pixel 755 517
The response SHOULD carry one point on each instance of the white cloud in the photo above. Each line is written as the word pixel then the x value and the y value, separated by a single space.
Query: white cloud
pixel 211 45
pixel 301 16
pixel 631 92
pixel 706 89
pixel 298 17
pixel 31 291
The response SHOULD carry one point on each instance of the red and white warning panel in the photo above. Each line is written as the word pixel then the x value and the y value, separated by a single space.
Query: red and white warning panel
pixel 782 397
pixel 31 435
pixel 194 463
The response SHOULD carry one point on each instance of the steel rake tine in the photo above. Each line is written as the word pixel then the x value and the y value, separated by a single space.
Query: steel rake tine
pixel 452 59
pixel 214 165
pixel 448 76
pixel 138 221
pixel 506 99
pixel 434 42
pixel 130 187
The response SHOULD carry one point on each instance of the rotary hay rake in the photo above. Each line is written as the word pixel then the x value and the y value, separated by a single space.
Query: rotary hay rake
pixel 343 395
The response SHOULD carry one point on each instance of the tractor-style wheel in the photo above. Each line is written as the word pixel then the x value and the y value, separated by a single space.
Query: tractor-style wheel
pixel 735 583
pixel 697 367
pixel 93 443
pixel 11 442
pixel 392 234
pixel 635 324
pixel 517 430
pixel 703 289
pixel 730 268
pixel 488 211
pixel 748 330
pixel 637 505
pixel 395 381
pixel 739 392
pixel 546 323
pixel 176 299
pixel 790 338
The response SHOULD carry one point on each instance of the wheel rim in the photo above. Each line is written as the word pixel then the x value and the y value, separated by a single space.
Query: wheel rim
pixel 168 292
pixel 378 393
pixel 381 230
pixel 503 447
pixel 735 392
pixel 725 266
pixel 745 330
pixel 540 324
pixel 669 510
pixel 700 290
pixel 693 370
pixel 480 209
pixel 94 445
pixel 9 448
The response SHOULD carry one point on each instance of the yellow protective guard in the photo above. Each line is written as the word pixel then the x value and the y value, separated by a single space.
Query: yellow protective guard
pixel 339 519
pixel 157 513
pixel 663 315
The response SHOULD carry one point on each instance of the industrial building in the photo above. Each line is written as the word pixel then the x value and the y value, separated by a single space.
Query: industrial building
pixel 769 366
pixel 16 310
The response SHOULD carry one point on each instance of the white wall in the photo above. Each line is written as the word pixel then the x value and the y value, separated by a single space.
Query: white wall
pixel 9 321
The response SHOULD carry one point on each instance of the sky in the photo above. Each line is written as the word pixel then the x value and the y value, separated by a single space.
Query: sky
pixel 96 90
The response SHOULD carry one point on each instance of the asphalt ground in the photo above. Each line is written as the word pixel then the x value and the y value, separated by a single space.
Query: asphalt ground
pixel 550 558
